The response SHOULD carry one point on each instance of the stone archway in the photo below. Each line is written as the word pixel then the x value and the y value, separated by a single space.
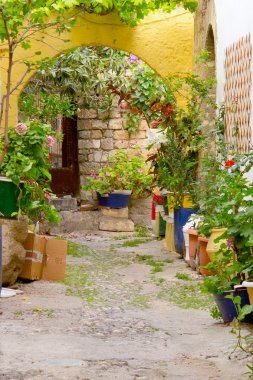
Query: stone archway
pixel 205 38
pixel 164 42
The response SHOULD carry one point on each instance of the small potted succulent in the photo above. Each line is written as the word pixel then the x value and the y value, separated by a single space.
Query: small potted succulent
pixel 126 175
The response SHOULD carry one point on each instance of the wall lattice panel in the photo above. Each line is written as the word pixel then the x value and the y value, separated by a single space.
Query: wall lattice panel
pixel 237 91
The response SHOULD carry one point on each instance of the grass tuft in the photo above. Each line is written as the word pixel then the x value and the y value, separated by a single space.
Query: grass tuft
pixel 133 243
pixel 78 250
pixel 183 276
pixel 141 231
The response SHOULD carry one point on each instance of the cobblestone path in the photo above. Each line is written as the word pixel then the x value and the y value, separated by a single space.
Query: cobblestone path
pixel 127 310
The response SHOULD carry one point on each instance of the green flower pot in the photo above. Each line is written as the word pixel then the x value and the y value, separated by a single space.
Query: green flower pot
pixel 9 193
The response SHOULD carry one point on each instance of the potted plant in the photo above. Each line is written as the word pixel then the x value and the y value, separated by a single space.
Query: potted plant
pixel 175 169
pixel 226 274
pixel 126 175
pixel 227 202
pixel 26 166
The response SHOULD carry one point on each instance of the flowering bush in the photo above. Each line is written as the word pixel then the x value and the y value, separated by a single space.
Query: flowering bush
pixel 125 171
pixel 226 200
pixel 27 161
pixel 223 188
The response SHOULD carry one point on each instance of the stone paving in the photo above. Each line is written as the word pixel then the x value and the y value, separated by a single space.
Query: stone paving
pixel 115 317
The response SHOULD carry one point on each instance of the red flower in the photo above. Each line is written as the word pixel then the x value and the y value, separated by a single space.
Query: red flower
pixel 229 163
pixel 168 109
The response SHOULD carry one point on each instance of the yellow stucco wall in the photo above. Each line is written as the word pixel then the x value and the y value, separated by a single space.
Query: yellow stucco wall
pixel 164 41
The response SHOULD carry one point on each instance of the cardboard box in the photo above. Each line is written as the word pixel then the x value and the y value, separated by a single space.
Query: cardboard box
pixel 45 258
pixel 54 266
pixel 35 257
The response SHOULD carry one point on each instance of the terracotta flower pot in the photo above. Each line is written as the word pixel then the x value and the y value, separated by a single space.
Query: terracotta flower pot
pixel 212 246
pixel 193 239
pixel 204 259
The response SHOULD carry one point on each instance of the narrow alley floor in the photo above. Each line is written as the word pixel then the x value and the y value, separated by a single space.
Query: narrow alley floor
pixel 127 310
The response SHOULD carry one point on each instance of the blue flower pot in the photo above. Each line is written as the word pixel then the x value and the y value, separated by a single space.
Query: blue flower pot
pixel 227 308
pixel 114 200
pixel 181 216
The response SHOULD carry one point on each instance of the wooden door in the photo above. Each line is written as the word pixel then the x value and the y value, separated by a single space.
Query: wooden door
pixel 65 179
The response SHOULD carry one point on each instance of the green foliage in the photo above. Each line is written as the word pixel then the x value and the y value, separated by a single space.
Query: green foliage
pixel 243 342
pixel 49 313
pixel 175 163
pixel 226 200
pixel 81 77
pixel 146 93
pixel 143 257
pixel 141 230
pixel 77 250
pixel 50 106
pixel 134 242
pixel 27 161
pixel 224 190
pixel 79 283
pixel 215 313
pixel 141 300
pixel 187 296
pixel 183 276
pixel 124 171
pixel 131 11
pixel 23 22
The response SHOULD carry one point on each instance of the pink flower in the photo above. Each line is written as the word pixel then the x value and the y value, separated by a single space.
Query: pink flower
pixel 50 140
pixel 124 105
pixel 21 129
pixel 119 179
pixel 107 174
pixel 140 61
pixel 132 58
pixel 99 179
pixel 230 242
pixel 140 69
pixel 140 171
pixel 47 196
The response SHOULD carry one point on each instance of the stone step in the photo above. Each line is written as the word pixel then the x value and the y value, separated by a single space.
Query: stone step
pixel 115 212
pixel 66 203
pixel 108 223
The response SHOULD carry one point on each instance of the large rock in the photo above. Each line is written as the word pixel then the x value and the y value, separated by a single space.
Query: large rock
pixel 14 235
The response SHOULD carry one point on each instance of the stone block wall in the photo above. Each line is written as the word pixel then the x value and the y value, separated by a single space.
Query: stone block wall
pixel 99 135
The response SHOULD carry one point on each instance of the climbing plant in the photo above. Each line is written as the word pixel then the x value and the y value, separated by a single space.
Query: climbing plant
pixel 25 21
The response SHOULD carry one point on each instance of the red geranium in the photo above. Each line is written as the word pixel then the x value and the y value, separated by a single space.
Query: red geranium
pixel 168 109
pixel 229 163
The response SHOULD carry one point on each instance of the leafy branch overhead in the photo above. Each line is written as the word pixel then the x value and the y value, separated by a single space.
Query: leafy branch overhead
pixel 24 22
